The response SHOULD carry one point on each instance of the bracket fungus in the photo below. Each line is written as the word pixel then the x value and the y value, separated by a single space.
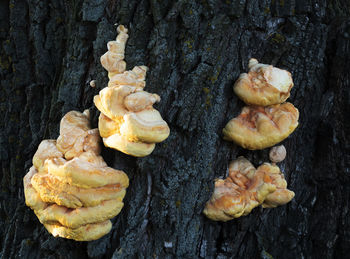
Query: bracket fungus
pixel 260 127
pixel 263 85
pixel 70 188
pixel 282 195
pixel 128 122
pixel 246 188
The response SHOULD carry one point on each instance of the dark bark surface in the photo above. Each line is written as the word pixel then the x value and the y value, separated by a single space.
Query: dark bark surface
pixel 49 51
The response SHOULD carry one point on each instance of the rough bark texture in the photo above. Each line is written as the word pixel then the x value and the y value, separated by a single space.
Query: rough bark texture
pixel 195 50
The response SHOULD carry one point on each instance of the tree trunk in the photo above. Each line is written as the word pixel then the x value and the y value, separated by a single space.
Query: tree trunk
pixel 195 51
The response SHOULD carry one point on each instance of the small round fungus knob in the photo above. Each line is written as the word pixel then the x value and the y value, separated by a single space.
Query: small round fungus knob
pixel 278 154
pixel 252 62
pixel 93 83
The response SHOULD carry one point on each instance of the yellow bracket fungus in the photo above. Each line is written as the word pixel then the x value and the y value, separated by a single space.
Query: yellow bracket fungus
pixel 70 188
pixel 246 188
pixel 263 85
pixel 128 121
pixel 260 127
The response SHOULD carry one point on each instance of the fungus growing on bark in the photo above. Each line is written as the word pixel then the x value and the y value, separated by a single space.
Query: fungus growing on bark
pixel 70 188
pixel 246 188
pixel 93 83
pixel 76 136
pixel 277 154
pixel 260 127
pixel 282 195
pixel 113 59
pixel 263 85
pixel 128 121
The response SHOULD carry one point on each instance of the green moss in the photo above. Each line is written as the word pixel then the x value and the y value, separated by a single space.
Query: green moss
pixel 189 43
pixel 206 90
pixel 4 63
pixel 266 255
pixel 278 38
pixel 215 77
pixel 208 98
pixel 267 10
pixel 11 5
pixel 282 3
pixel 178 204
pixel 208 101
pixel 190 12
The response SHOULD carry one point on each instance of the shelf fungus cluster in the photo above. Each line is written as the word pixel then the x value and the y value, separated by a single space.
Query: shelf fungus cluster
pixel 246 188
pixel 267 119
pixel 70 188
pixel 128 122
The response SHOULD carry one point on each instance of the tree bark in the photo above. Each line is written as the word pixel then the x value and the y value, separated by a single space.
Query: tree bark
pixel 195 50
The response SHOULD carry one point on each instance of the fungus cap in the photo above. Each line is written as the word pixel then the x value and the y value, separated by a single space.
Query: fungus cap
pixel 86 232
pixel 113 59
pixel 246 188
pixel 110 100
pixel 86 171
pixel 261 127
pixel 131 78
pixel 140 100
pixel 74 218
pixel 47 149
pixel 263 85
pixel 76 136
pixel 282 195
pixel 145 126
pixel 52 189
pixel 121 143
pixel 71 218
pixel 32 198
